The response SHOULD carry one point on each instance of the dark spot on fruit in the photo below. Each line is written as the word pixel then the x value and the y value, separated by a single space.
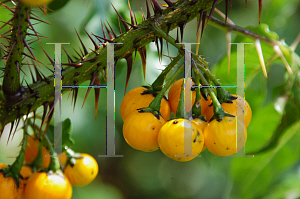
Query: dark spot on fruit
pixel 153 128
pixel 175 122
pixel 92 172
pixel 214 143
pixel 227 148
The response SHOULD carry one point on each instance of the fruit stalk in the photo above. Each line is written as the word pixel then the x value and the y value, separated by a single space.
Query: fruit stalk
pixel 158 83
pixel 197 106
pixel 54 161
pixel 218 110
pixel 222 94
pixel 155 104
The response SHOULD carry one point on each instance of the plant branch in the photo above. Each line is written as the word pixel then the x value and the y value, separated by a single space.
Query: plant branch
pixel 41 92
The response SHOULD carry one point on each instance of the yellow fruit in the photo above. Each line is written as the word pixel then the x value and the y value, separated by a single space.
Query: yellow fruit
pixel 83 172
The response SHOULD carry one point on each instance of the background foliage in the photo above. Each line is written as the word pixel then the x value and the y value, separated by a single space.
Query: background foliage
pixel 273 174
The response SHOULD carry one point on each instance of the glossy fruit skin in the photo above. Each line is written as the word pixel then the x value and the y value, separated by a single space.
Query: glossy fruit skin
pixel 83 172
pixel 171 139
pixel 201 124
pixel 220 136
pixel 8 187
pixel 205 104
pixel 62 159
pixel 32 151
pixel 134 100
pixel 140 130
pixel 232 108
pixel 36 2
pixel 174 95
pixel 26 172
pixel 48 186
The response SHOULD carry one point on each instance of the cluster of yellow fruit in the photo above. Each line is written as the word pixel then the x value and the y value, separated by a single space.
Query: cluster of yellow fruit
pixel 47 184
pixel 146 131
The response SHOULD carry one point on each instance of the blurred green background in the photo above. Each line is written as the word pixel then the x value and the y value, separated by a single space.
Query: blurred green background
pixel 274 174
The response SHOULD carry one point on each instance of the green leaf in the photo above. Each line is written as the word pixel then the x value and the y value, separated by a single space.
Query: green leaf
pixel 290 116
pixel 261 171
pixel 57 4
pixel 289 186
pixel 263 124
pixel 66 133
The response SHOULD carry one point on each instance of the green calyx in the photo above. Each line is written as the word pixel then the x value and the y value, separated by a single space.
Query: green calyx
pixel 155 112
pixel 219 114
pixel 224 96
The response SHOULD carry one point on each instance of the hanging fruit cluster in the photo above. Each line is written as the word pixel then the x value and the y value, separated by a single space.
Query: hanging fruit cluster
pixel 207 122
pixel 38 173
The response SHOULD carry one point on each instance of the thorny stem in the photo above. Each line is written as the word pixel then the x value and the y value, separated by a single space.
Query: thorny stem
pixel 223 95
pixel 181 13
pixel 215 22
pixel 168 38
pixel 11 81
